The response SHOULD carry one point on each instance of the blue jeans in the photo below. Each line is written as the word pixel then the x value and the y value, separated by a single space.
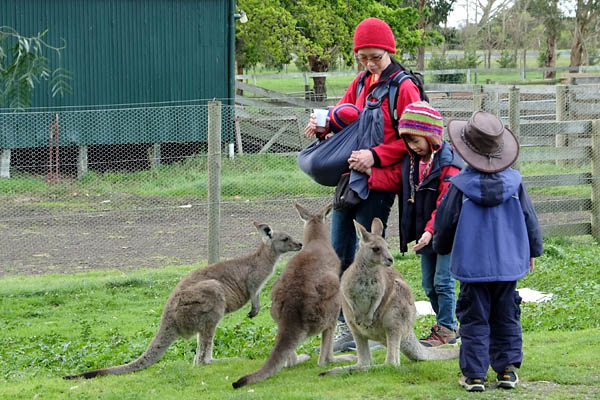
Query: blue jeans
pixel 343 234
pixel 439 287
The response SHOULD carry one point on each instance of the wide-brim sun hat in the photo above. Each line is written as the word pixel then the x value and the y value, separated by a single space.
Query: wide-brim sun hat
pixel 484 142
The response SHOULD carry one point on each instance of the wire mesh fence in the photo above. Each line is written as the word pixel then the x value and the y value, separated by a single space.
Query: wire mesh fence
pixel 129 187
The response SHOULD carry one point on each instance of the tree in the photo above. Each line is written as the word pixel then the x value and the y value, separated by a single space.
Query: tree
pixel 432 13
pixel 586 15
pixel 552 19
pixel 317 32
pixel 23 65
pixel 268 38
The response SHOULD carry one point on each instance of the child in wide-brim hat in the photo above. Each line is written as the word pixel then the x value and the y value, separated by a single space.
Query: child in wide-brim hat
pixel 489 224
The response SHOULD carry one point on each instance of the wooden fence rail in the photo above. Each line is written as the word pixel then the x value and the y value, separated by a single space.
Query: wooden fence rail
pixel 563 141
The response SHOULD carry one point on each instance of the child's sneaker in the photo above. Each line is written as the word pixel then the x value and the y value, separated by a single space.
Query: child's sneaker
pixel 343 336
pixel 472 384
pixel 440 335
pixel 508 379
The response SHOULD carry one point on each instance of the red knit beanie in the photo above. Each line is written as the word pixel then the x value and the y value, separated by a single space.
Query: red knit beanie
pixel 373 32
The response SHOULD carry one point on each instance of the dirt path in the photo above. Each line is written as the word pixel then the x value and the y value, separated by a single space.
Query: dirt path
pixel 128 233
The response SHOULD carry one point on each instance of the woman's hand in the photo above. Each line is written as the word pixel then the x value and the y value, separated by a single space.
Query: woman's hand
pixel 311 129
pixel 361 160
pixel 424 241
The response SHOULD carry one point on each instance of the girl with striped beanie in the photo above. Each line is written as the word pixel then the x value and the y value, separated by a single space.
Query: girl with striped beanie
pixel 425 180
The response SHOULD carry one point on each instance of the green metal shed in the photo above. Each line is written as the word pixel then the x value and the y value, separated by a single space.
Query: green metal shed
pixel 126 53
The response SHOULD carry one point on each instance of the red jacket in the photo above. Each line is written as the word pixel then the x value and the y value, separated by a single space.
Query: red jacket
pixel 387 171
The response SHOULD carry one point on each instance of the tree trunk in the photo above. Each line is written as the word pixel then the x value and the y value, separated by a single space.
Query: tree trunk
pixel 421 49
pixel 421 58
pixel 550 61
pixel 576 49
pixel 319 83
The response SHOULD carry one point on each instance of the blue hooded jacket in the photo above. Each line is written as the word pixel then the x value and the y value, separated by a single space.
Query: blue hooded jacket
pixel 489 224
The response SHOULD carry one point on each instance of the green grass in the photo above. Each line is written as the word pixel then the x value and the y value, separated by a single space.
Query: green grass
pixel 337 85
pixel 57 324
pixel 247 177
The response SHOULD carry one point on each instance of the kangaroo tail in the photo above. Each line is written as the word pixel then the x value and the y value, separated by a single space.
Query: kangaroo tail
pixel 157 348
pixel 285 348
pixel 414 350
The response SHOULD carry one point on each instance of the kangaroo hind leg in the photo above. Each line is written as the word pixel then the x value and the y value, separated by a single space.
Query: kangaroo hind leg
pixel 199 310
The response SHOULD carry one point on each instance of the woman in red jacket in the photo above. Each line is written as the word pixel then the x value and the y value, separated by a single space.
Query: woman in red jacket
pixel 373 44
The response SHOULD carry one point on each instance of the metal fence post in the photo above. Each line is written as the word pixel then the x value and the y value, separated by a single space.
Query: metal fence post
pixel 82 162
pixel 5 163
pixel 154 155
pixel 477 97
pixel 562 114
pixel 214 180
pixel 514 116
pixel 596 179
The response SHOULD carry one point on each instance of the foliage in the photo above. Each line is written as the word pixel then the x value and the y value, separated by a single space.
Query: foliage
pixel 23 65
pixel 319 33
pixel 507 59
pixel 541 58
pixel 439 62
pixel 593 56
pixel 269 37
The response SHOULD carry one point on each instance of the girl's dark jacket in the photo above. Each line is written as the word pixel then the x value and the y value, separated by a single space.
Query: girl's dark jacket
pixel 489 224
pixel 418 215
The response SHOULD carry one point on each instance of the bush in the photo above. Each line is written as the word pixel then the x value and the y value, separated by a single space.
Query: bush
pixel 594 56
pixel 439 62
pixel 507 60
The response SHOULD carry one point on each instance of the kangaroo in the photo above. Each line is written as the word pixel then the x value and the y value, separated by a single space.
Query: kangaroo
pixel 305 299
pixel 379 305
pixel 204 296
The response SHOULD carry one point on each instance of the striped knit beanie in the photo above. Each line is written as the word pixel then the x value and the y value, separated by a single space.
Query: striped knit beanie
pixel 341 116
pixel 420 119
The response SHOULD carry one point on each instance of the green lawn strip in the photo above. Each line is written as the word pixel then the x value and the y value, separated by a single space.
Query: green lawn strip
pixel 57 324
pixel 557 365
pixel 247 176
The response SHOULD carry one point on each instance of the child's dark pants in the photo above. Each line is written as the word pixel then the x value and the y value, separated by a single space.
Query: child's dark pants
pixel 490 327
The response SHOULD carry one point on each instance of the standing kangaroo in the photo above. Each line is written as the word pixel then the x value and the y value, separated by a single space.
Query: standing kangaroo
pixel 306 300
pixel 200 299
pixel 379 305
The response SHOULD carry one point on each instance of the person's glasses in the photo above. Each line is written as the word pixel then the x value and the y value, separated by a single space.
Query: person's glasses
pixel 365 59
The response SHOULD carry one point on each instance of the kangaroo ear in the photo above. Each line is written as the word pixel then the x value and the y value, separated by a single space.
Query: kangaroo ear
pixel 360 231
pixel 303 212
pixel 264 230
pixel 377 226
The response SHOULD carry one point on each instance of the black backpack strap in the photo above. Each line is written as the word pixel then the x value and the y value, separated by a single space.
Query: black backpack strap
pixel 395 82
pixel 394 85
pixel 361 83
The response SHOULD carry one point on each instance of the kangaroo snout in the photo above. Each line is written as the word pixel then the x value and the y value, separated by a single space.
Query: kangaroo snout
pixel 389 261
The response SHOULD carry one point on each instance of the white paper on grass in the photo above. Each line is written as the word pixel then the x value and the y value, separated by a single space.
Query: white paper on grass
pixel 528 296
pixel 533 296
